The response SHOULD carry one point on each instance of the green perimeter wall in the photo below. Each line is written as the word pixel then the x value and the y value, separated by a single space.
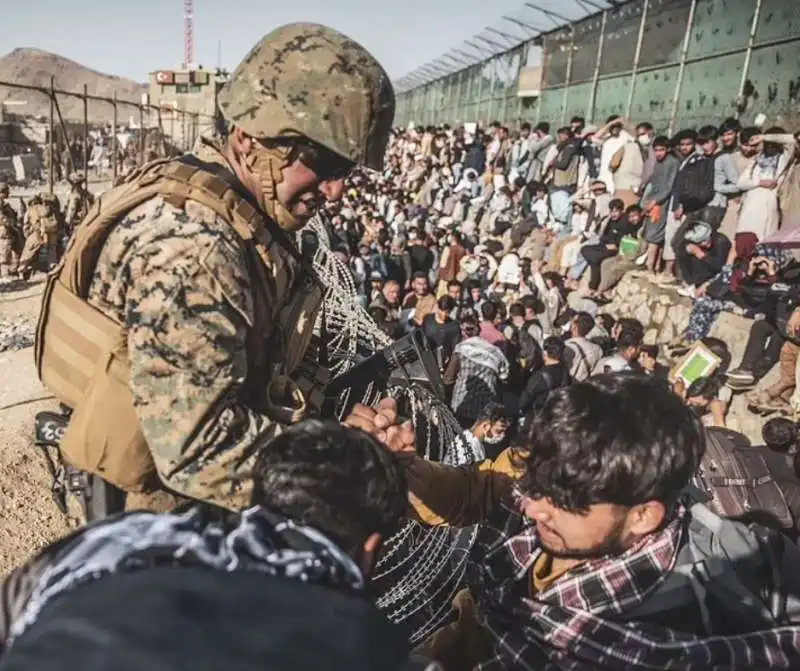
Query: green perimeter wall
pixel 664 77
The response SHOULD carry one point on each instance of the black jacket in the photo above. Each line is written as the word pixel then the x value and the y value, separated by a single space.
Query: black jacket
pixel 539 386
pixel 176 618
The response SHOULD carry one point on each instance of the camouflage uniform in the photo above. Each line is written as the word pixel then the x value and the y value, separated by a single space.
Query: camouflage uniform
pixel 44 228
pixel 10 235
pixel 178 280
pixel 79 201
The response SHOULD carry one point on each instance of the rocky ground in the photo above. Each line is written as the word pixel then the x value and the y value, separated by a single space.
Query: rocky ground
pixel 28 519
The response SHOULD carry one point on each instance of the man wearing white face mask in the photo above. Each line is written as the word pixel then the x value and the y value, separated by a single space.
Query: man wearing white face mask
pixel 644 136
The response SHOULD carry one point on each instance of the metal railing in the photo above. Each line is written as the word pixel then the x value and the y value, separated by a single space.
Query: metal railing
pixel 94 138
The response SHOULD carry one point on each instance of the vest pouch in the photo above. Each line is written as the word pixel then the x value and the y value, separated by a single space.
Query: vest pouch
pixel 103 436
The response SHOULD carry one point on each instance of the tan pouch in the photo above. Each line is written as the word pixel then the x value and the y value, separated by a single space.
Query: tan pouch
pixel 103 435
pixel 80 357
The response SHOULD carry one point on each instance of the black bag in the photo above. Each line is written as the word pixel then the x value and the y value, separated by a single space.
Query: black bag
pixel 697 183
pixel 737 480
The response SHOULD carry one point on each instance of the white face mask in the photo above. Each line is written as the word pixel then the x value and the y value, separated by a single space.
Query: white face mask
pixel 645 140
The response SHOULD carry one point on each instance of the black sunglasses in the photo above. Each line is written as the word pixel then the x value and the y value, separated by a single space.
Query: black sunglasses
pixel 326 164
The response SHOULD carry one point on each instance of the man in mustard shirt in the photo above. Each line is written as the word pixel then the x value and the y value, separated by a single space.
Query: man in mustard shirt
pixel 578 527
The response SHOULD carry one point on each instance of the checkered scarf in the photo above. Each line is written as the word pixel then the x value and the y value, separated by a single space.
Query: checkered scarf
pixel 576 624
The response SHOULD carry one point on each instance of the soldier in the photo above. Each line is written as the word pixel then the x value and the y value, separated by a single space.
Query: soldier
pixel 43 228
pixel 79 200
pixel 10 235
pixel 177 325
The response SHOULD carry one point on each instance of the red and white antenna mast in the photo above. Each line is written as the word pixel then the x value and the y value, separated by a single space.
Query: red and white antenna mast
pixel 188 34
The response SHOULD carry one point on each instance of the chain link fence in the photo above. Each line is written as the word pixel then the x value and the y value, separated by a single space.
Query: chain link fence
pixel 673 62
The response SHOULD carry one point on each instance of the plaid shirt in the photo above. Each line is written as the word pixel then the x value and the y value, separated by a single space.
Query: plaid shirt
pixel 577 623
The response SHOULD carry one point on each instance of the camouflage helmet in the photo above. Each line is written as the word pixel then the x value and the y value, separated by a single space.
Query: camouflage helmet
pixel 308 79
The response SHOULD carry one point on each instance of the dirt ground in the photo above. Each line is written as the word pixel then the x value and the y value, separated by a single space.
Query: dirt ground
pixel 29 519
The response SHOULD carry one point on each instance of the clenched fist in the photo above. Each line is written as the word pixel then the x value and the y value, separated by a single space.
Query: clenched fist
pixel 382 423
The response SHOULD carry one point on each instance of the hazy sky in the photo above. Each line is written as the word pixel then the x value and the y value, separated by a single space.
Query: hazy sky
pixel 133 38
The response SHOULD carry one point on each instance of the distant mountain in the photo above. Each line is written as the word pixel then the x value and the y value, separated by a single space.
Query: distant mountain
pixel 35 67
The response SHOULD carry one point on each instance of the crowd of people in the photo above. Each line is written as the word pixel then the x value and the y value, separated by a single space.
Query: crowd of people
pixel 601 538
pixel 505 247
pixel 34 237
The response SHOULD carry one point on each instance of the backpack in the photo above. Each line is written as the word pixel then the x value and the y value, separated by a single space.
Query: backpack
pixel 737 481
pixel 698 183
pixel 580 369
pixel 738 574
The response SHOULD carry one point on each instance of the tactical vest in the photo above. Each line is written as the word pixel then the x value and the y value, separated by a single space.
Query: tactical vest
pixel 81 353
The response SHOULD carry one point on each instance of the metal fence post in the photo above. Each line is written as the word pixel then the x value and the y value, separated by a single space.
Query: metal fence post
pixel 637 54
pixel 569 74
pixel 141 134
pixel 51 131
pixel 682 68
pixel 114 147
pixel 750 41
pixel 86 131
pixel 597 61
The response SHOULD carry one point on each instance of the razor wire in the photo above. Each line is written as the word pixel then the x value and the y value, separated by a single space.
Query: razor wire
pixel 421 568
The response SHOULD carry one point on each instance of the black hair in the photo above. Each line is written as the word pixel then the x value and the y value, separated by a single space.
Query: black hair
pixel 493 412
pixel 685 134
pixel 565 130
pixel 543 126
pixel 730 124
pixel 446 303
pixel 339 480
pixel 584 323
pixel 525 126
pixel 516 310
pixel 616 204
pixel 489 311
pixel 607 320
pixel 747 134
pixel 650 350
pixel 578 119
pixel 645 125
pixel 707 134
pixel 420 275
pixel 618 439
pixel 779 434
pixel 634 208
pixel 629 337
pixel 704 387
pixel 553 347
pixel 662 141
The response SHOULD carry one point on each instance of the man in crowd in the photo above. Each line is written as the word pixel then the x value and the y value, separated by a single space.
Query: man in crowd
pixel 284 584
pixel 581 356
pixel 584 534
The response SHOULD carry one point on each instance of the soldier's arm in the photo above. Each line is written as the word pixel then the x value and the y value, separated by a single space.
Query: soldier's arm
pixel 188 312
pixel 458 496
